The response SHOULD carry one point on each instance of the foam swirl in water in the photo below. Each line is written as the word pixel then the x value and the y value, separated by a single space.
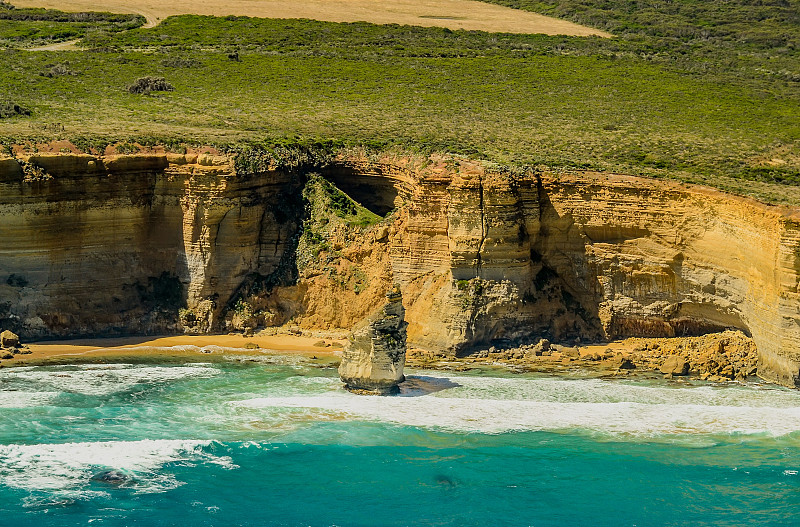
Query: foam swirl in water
pixel 102 379
pixel 72 465
pixel 24 399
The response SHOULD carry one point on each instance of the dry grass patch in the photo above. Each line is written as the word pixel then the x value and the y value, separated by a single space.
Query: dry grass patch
pixel 452 14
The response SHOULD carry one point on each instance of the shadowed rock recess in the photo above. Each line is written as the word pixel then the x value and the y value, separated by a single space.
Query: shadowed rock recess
pixel 181 243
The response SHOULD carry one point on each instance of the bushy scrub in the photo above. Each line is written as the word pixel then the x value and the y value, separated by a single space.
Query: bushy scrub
pixel 146 85
pixel 25 27
pixel 683 91
pixel 12 109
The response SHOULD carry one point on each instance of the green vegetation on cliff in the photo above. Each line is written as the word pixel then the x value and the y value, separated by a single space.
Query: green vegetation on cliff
pixel 330 213
pixel 680 95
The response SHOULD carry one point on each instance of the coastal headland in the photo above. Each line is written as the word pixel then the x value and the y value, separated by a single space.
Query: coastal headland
pixel 536 197
pixel 271 262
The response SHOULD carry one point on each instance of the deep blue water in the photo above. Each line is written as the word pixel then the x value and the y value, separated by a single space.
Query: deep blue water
pixel 279 442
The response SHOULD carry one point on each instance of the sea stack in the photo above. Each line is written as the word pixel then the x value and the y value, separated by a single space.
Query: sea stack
pixel 373 361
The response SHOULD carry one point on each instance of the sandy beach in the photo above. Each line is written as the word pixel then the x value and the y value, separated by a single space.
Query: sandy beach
pixel 716 357
pixel 179 346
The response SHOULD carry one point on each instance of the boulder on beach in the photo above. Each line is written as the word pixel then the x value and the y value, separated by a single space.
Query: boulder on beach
pixel 675 365
pixel 622 362
pixel 9 339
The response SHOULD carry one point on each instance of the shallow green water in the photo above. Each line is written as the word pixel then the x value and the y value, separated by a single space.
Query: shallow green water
pixel 279 442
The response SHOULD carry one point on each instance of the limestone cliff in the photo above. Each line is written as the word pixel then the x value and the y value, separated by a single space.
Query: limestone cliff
pixel 500 257
pixel 123 244
pixel 376 355
pixel 165 243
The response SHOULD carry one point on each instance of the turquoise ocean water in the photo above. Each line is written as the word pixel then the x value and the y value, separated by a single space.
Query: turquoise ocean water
pixel 279 442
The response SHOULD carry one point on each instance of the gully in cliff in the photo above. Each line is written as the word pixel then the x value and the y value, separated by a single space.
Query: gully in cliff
pixel 374 360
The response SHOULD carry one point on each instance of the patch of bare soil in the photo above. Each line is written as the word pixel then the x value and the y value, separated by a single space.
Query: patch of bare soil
pixel 453 14
pixel 58 46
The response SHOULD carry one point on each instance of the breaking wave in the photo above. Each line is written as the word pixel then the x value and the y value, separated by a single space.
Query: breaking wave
pixel 99 379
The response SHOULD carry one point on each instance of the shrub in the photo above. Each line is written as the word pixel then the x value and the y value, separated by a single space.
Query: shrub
pixel 12 109
pixel 34 173
pixel 57 70
pixel 146 85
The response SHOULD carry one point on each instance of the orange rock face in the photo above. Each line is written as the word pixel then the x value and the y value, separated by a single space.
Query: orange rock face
pixel 169 243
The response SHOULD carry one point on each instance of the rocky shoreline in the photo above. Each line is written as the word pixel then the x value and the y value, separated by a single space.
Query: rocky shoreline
pixel 729 356
pixel 482 253
pixel 716 357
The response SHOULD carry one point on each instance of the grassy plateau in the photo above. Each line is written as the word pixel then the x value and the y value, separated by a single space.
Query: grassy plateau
pixel 705 92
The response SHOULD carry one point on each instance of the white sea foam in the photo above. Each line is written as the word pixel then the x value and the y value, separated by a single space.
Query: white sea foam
pixel 70 466
pixel 495 405
pixel 104 379
pixel 556 389
pixel 268 356
pixel 20 399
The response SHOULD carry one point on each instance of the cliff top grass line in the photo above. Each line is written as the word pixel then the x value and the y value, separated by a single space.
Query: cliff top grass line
pixel 699 92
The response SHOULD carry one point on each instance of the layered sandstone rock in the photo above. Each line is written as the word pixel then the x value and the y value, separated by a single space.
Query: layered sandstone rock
pixel 668 260
pixel 376 355
pixel 122 244
pixel 596 256
pixel 718 357
pixel 485 256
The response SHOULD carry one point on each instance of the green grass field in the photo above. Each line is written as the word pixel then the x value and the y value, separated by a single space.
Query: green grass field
pixel 37 27
pixel 721 109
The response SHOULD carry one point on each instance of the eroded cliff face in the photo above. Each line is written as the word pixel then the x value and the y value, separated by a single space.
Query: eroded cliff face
pixel 671 260
pixel 155 243
pixel 595 256
pixel 134 244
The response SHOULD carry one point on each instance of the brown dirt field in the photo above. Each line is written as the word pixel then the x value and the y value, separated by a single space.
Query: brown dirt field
pixel 453 14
